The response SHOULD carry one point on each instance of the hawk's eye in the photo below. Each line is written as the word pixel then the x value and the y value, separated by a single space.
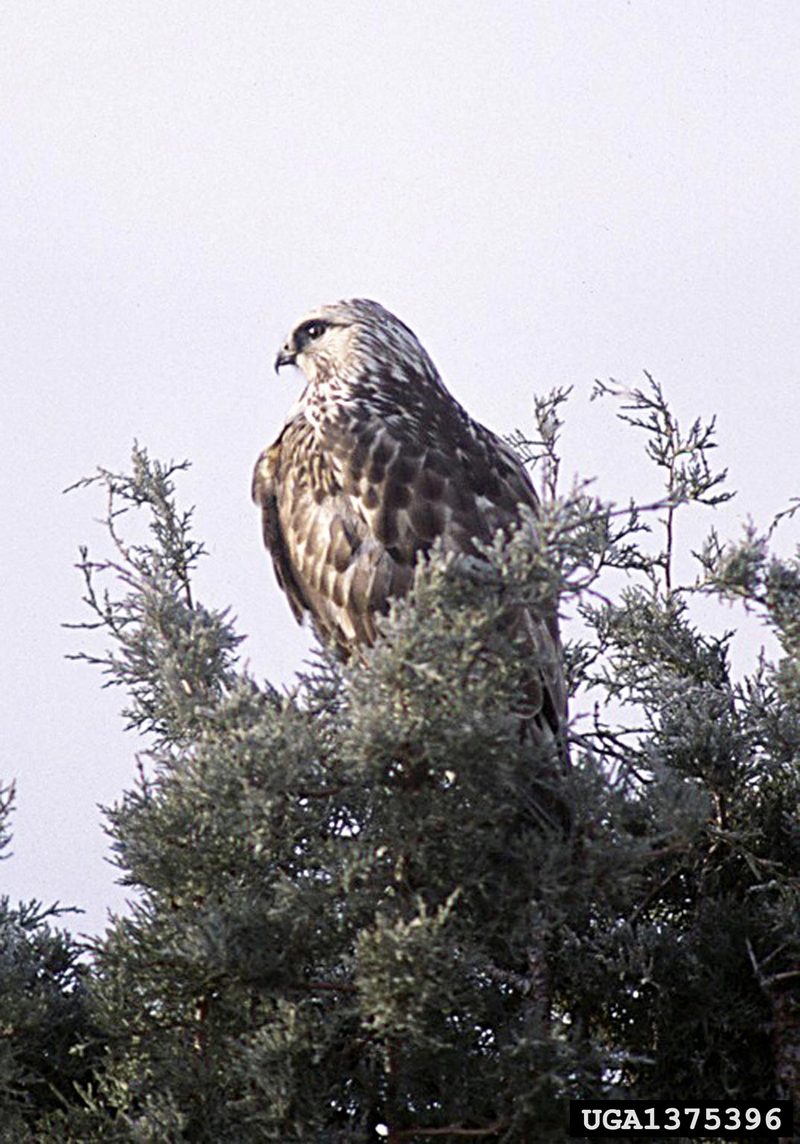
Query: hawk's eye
pixel 309 332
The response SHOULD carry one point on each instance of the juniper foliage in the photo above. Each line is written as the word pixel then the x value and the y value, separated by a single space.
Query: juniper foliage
pixel 353 919
pixel 43 1017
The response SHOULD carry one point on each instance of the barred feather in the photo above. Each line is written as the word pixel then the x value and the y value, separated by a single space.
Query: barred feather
pixel 375 462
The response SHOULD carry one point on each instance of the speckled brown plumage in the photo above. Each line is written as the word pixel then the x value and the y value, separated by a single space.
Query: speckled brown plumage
pixel 375 462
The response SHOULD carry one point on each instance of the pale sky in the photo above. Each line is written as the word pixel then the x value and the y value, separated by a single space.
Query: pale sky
pixel 547 192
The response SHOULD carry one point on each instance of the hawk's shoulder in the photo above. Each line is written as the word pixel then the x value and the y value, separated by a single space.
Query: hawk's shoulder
pixel 317 527
pixel 349 504
pixel 270 490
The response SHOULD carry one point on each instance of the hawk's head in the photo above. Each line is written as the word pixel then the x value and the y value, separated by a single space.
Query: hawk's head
pixel 348 340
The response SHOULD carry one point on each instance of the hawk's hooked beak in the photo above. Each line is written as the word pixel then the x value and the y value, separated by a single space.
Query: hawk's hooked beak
pixel 285 357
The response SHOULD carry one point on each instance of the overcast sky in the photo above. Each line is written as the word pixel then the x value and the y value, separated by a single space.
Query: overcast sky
pixel 547 192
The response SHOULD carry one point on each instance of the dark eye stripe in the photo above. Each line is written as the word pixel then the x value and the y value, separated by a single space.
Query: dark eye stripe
pixel 309 331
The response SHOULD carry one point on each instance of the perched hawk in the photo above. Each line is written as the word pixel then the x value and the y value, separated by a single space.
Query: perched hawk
pixel 375 462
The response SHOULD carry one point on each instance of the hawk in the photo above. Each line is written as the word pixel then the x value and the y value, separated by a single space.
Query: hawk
pixel 375 462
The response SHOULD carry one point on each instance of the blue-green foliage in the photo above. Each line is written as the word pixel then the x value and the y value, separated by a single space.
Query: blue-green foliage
pixel 44 1033
pixel 358 913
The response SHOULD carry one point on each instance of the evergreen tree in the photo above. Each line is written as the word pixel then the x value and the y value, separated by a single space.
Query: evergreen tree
pixel 42 1011
pixel 358 916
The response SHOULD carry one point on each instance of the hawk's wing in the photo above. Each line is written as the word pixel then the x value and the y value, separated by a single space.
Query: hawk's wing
pixel 326 558
pixel 346 517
